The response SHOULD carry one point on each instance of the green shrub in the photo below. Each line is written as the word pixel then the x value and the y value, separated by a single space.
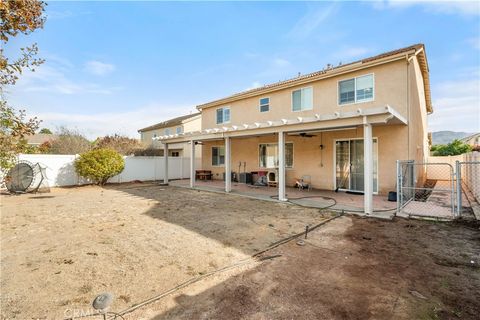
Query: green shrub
pixel 99 165
pixel 454 148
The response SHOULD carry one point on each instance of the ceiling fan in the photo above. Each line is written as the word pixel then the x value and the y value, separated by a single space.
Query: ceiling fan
pixel 306 135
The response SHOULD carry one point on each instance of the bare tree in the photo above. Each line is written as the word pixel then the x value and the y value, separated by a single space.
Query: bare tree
pixel 124 145
pixel 69 141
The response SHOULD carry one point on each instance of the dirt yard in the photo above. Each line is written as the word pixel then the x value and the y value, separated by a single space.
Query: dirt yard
pixel 58 250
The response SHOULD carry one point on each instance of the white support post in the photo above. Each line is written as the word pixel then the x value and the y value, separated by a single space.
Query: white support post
pixel 192 164
pixel 228 165
pixel 281 167
pixel 165 157
pixel 368 167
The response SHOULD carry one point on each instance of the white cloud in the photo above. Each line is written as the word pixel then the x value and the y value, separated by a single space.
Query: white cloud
pixel 99 68
pixel 59 15
pixel 474 42
pixel 51 77
pixel 311 21
pixel 125 123
pixel 461 7
pixel 279 62
pixel 457 106
pixel 254 85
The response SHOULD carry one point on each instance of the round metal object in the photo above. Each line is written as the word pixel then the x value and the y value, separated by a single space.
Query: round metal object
pixel 20 177
pixel 300 242
pixel 103 301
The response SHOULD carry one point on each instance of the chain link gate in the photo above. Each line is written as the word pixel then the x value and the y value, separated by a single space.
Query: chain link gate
pixel 426 190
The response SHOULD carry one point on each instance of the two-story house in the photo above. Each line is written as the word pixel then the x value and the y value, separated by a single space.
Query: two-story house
pixel 179 125
pixel 343 126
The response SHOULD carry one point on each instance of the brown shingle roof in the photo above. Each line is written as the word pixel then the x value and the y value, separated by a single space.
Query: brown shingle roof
pixel 293 81
pixel 169 123
pixel 39 138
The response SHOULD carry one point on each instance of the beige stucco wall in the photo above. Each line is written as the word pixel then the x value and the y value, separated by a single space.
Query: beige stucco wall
pixel 309 159
pixel 390 87
pixel 188 125
pixel 417 117
pixel 398 84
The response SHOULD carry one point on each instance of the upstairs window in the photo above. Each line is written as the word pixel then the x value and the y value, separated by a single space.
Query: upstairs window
pixel 218 156
pixel 359 89
pixel 178 130
pixel 167 132
pixel 302 99
pixel 346 89
pixel 223 115
pixel 364 88
pixel 264 104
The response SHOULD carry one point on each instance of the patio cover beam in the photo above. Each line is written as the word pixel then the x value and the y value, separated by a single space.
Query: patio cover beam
pixel 281 166
pixel 228 165
pixel 192 164
pixel 376 116
pixel 165 157
pixel 368 167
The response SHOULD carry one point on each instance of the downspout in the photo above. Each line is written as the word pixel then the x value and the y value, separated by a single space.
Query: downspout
pixel 408 103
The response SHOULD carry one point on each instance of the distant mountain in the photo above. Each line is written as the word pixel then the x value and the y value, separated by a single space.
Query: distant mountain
pixel 444 137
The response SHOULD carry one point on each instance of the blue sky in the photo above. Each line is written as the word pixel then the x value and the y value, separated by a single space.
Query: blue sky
pixel 114 67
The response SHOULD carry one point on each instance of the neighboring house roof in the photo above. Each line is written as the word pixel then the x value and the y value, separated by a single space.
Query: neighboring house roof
pixel 170 123
pixel 39 138
pixel 417 49
pixel 473 136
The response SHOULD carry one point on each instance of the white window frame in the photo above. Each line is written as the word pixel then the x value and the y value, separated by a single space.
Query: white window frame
pixel 167 131
pixel 223 115
pixel 291 99
pixel 260 105
pixel 355 90
pixel 211 156
pixel 335 161
pixel 178 130
pixel 275 143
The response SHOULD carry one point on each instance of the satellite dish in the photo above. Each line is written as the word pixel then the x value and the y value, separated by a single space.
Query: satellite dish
pixel 24 177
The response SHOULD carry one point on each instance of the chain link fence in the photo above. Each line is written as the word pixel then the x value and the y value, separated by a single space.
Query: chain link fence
pixel 425 190
pixel 468 183
pixel 439 190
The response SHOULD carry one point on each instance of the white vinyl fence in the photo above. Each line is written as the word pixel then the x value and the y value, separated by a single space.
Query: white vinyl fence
pixel 60 171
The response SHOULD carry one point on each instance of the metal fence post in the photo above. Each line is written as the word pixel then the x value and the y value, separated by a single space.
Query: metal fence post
pixel 398 187
pixel 458 169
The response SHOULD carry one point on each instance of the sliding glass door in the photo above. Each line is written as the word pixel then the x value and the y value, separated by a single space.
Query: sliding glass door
pixel 349 169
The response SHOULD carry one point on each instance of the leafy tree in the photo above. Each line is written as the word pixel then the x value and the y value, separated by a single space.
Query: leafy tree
pixel 99 165
pixel 14 127
pixel 454 148
pixel 45 147
pixel 69 142
pixel 19 16
pixel 123 145
pixel 16 17
pixel 45 131
pixel 148 152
